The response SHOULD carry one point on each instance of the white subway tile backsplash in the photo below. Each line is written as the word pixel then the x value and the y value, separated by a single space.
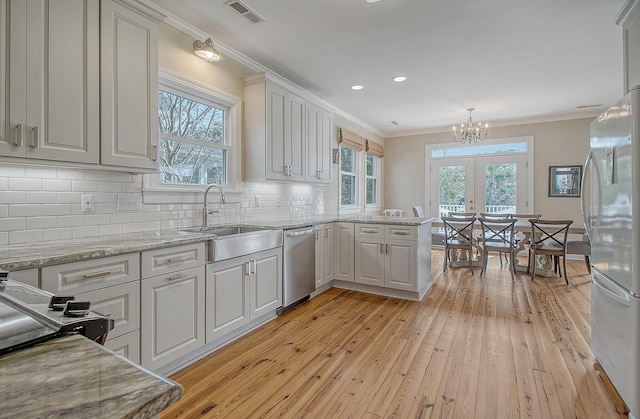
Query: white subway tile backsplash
pixel 43 203
pixel 12 197
pixel 57 234
pixel 41 197
pixel 25 236
pixel 25 210
pixel 41 222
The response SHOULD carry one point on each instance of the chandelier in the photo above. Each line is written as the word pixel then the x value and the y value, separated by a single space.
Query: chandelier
pixel 469 133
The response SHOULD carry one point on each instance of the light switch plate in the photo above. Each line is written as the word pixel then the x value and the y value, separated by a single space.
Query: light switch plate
pixel 129 202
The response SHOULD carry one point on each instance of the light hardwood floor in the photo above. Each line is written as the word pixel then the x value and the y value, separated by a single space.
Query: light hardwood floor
pixel 473 348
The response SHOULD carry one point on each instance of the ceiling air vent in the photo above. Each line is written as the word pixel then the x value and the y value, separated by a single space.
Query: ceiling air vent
pixel 242 8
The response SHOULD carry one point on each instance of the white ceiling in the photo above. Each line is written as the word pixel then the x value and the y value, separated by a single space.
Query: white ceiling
pixel 515 61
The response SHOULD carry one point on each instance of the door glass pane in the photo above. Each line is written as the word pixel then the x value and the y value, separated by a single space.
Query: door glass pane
pixel 500 188
pixel 451 189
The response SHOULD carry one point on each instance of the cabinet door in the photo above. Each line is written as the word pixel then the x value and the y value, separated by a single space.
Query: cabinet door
pixel 172 316
pixel 277 166
pixel 327 256
pixel 319 256
pixel 129 88
pixel 266 282
pixel 325 138
pixel 127 346
pixel 314 161
pixel 120 302
pixel 227 307
pixel 401 264
pixel 63 83
pixel 295 149
pixel 49 86
pixel 344 252
pixel 369 261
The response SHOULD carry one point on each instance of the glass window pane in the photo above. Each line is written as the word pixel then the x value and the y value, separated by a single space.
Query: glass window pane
pixel 372 191
pixel 346 160
pixel 348 190
pixel 186 118
pixel 185 163
pixel 451 189
pixel 500 188
pixel 371 165
pixel 479 149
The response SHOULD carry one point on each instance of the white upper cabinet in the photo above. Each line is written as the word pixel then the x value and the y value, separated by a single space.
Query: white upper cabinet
pixel 129 87
pixel 286 137
pixel 319 129
pixel 49 80
pixel 629 19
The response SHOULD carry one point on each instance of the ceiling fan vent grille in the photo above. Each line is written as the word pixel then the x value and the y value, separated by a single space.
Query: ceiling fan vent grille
pixel 242 8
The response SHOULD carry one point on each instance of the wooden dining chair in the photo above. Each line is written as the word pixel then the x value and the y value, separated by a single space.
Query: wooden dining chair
pixel 497 236
pixel 521 238
pixel 549 238
pixel 492 216
pixel 458 234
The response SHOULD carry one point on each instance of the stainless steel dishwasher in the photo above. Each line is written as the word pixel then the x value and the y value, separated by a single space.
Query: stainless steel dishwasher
pixel 299 266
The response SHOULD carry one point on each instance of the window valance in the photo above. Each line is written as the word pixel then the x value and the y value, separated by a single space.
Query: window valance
pixel 374 149
pixel 350 139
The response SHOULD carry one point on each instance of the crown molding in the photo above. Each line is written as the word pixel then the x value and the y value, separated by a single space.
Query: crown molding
pixel 629 13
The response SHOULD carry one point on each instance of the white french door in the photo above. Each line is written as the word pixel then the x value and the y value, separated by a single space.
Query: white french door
pixel 485 183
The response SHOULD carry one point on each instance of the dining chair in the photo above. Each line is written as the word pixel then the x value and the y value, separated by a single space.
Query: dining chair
pixel 493 216
pixel 461 214
pixel 581 247
pixel 417 211
pixel 393 212
pixel 521 238
pixel 497 236
pixel 549 238
pixel 458 234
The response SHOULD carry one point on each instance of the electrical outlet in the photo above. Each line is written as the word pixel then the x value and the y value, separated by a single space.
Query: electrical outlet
pixel 87 203
pixel 257 199
pixel 129 202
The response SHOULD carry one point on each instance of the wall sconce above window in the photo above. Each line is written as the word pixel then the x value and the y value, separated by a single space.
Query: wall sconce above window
pixel 206 51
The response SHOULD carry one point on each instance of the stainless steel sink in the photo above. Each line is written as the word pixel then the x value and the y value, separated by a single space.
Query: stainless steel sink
pixel 229 242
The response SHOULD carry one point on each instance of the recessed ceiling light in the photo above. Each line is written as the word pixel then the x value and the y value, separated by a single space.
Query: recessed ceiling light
pixel 357 87
pixel 398 79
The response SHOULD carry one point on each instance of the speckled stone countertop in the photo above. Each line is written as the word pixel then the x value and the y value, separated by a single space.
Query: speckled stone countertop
pixel 73 377
pixel 35 255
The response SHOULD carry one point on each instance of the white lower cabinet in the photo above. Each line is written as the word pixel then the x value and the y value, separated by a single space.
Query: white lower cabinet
pixel 242 289
pixel 127 345
pixel 343 248
pixel 324 254
pixel 382 259
pixel 172 316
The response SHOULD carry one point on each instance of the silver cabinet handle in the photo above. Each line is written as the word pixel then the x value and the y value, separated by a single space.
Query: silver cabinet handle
pixel 319 174
pixel 176 277
pixel 154 152
pixel 97 275
pixel 254 264
pixel 381 248
pixel 386 248
pixel 247 268
pixel 326 233
pixel 36 137
pixel 369 231
pixel 169 261
pixel 400 233
pixel 20 135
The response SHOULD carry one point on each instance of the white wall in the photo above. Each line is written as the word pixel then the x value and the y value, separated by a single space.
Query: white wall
pixel 556 143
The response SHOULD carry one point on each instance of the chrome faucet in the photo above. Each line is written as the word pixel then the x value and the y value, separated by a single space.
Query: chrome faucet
pixel 205 210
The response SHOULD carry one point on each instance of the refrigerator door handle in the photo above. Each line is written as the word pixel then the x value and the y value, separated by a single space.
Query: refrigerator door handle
pixel 583 203
pixel 611 290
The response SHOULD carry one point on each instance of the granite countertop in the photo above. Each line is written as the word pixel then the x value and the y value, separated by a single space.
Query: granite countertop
pixel 73 376
pixel 35 255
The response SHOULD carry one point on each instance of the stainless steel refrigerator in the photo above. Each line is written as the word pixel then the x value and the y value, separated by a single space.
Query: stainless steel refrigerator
pixel 612 218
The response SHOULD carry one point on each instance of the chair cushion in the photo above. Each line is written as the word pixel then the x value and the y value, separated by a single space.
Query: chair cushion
pixel 578 248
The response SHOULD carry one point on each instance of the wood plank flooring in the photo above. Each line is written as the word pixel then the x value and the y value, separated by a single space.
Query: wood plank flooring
pixel 474 347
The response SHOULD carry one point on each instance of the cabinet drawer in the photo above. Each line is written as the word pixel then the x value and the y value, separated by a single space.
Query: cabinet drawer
pixel 370 230
pixel 401 232
pixel 171 259
pixel 89 275
pixel 127 346
pixel 120 302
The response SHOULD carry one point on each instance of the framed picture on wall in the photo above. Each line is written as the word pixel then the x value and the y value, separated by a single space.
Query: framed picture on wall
pixel 564 181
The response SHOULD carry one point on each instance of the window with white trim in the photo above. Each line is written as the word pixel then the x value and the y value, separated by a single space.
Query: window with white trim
pixel 348 177
pixel 193 148
pixel 372 174
pixel 197 129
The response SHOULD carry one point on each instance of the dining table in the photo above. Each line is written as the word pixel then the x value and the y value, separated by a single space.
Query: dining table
pixel 544 265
